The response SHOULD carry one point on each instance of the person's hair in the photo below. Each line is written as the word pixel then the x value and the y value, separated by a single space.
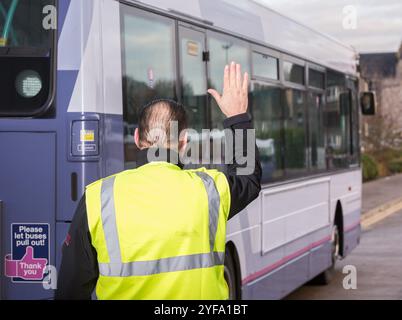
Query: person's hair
pixel 155 123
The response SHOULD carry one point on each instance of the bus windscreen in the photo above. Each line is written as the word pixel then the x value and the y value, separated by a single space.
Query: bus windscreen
pixel 26 56
pixel 26 24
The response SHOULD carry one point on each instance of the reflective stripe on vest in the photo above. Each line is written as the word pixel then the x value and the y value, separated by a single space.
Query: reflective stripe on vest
pixel 147 268
pixel 116 268
pixel 109 220
pixel 214 201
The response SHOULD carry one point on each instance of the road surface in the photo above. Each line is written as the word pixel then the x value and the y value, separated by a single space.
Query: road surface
pixel 378 260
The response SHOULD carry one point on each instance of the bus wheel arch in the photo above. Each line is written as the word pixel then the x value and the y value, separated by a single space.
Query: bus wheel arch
pixel 232 269
pixel 337 239
pixel 338 221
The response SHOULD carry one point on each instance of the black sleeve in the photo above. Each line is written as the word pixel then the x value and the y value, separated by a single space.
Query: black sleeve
pixel 243 188
pixel 79 272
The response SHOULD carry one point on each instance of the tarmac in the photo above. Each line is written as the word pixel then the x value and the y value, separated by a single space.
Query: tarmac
pixel 378 259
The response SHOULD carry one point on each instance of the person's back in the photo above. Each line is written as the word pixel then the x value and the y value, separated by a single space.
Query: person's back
pixel 158 231
pixel 172 238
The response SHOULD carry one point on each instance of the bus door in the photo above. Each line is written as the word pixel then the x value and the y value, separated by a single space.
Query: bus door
pixel 193 78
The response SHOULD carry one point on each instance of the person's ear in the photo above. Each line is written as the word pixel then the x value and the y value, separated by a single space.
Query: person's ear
pixel 137 138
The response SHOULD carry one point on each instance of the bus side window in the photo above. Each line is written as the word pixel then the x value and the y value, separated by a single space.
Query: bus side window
pixel 222 52
pixel 148 68
pixel 317 131
pixel 355 125
pixel 295 126
pixel 337 117
pixel 267 113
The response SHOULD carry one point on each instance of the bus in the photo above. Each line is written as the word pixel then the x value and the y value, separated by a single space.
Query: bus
pixel 73 77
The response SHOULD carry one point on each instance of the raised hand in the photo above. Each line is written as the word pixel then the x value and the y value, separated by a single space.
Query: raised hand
pixel 234 100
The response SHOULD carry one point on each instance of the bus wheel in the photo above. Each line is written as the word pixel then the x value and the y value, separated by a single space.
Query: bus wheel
pixel 230 276
pixel 326 277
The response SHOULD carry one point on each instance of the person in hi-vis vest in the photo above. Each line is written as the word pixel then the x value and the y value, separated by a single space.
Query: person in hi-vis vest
pixel 159 231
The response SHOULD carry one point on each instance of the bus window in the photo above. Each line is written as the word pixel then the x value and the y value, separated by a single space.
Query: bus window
pixel 296 153
pixel 194 90
pixel 222 52
pixel 267 113
pixel 26 58
pixel 317 131
pixel 148 67
pixel 355 125
pixel 316 79
pixel 265 66
pixel 193 76
pixel 293 73
pixel 337 117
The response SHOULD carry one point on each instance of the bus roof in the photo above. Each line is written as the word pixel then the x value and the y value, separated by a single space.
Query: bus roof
pixel 254 21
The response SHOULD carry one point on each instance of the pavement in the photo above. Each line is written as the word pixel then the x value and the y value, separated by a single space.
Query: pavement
pixel 378 258
pixel 380 192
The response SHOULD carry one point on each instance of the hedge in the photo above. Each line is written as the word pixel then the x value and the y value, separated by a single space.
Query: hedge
pixel 370 169
pixel 395 166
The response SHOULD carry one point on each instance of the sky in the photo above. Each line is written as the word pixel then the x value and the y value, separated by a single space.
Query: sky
pixel 367 25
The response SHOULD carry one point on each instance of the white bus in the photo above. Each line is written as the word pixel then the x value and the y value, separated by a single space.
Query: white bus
pixel 108 57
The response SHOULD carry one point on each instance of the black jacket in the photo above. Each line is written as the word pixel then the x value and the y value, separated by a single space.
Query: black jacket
pixel 79 272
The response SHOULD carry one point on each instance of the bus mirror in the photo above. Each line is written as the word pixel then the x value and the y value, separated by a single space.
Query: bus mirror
pixel 368 103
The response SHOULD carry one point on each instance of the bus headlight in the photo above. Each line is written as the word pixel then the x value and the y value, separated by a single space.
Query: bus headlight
pixel 28 84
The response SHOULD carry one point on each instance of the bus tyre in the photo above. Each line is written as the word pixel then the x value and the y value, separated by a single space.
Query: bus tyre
pixel 230 276
pixel 326 277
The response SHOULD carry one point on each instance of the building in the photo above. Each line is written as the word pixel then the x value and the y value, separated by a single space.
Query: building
pixel 382 73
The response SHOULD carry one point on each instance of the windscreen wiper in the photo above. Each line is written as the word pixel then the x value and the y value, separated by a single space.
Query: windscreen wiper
pixel 12 32
pixel 8 23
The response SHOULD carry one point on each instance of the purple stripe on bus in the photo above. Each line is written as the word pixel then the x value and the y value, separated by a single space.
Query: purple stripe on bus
pixel 353 226
pixel 284 260
pixel 288 258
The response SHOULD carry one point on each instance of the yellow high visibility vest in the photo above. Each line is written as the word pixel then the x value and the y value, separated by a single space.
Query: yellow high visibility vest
pixel 160 233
